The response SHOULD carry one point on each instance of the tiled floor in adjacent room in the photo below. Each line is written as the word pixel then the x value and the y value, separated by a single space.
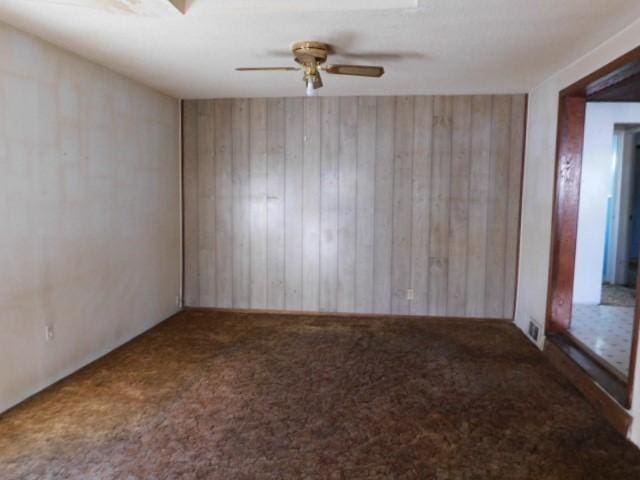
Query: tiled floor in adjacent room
pixel 606 331
pixel 239 396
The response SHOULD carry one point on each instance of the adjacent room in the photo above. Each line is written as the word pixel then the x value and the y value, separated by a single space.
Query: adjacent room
pixel 350 239
pixel 608 242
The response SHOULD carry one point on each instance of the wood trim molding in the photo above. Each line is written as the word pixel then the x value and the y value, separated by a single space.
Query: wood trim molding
pixel 628 90
pixel 615 413
pixel 571 119
pixel 608 76
pixel 633 359
pixel 342 314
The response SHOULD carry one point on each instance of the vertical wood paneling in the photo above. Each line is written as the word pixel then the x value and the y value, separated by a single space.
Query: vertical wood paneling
pixel 459 206
pixel 293 203
pixel 345 204
pixel 439 224
pixel 347 192
pixel 402 212
pixel 481 109
pixel 497 206
pixel 329 203
pixel 311 205
pixel 224 203
pixel 258 202
pixel 275 203
pixel 383 213
pixel 241 205
pixel 206 205
pixel 516 149
pixel 421 191
pixel 190 127
pixel 366 177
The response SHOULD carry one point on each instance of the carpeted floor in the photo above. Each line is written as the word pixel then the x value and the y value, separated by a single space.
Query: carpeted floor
pixel 231 396
pixel 618 295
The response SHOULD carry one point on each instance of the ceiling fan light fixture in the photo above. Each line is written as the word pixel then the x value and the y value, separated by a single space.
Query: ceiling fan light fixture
pixel 311 91
pixel 311 56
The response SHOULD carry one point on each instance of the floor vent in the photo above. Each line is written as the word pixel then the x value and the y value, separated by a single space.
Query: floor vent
pixel 533 330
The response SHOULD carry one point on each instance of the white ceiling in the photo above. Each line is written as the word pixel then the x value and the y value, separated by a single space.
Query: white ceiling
pixel 427 46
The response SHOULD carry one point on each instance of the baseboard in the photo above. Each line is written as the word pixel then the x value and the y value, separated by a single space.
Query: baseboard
pixel 306 313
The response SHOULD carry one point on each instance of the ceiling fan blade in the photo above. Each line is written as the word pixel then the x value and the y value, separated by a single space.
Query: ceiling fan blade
pixel 279 53
pixel 264 69
pixel 380 56
pixel 359 70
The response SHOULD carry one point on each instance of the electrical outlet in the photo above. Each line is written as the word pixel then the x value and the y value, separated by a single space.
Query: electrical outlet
pixel 48 332
pixel 410 294
pixel 534 331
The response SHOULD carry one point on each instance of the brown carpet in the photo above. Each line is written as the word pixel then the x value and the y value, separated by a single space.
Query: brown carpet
pixel 226 396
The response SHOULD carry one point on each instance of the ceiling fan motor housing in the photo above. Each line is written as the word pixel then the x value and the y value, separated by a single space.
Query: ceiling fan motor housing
pixel 311 55
pixel 310 52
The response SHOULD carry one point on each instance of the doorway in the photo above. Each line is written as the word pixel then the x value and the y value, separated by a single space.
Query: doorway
pixel 594 258
pixel 604 295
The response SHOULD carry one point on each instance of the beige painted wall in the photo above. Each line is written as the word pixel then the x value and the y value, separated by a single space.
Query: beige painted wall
pixel 89 202
pixel 344 204
pixel 538 185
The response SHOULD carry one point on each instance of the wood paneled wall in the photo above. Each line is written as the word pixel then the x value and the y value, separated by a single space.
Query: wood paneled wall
pixel 344 204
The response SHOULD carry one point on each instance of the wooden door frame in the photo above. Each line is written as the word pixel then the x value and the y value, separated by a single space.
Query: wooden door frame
pixel 614 81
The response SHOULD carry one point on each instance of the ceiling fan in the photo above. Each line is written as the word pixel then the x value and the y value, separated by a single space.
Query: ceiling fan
pixel 312 57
